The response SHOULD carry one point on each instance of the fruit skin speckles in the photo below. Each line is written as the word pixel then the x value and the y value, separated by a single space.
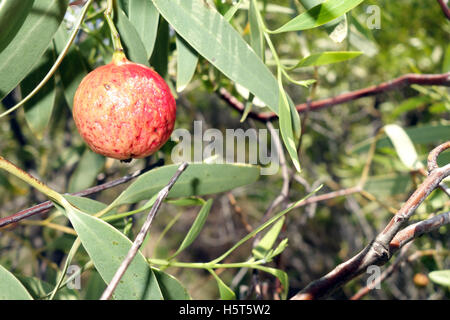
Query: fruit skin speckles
pixel 124 110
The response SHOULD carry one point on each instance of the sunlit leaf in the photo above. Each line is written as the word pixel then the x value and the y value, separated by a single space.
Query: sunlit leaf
pixel 11 288
pixel 144 16
pixel 319 15
pixel 187 60
pixel 216 40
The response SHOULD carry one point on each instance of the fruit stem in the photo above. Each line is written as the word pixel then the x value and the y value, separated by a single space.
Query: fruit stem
pixel 114 33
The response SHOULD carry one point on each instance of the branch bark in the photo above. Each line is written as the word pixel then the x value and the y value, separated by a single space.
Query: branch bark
pixel 405 80
pixel 47 205
pixel 445 8
pixel 391 239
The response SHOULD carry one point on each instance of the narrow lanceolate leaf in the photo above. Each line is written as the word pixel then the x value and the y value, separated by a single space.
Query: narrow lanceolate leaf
pixel 195 228
pixel 72 69
pixel 403 146
pixel 216 40
pixel 319 15
pixel 144 16
pixel 281 275
pixel 171 288
pixel 12 15
pixel 88 168
pixel 323 58
pixel 225 292
pixel 198 179
pixel 160 56
pixel 38 110
pixel 232 11
pixel 30 42
pixel 267 242
pixel 107 248
pixel 11 288
pixel 131 40
pixel 434 133
pixel 256 35
pixel 286 126
pixel 186 63
pixel 441 277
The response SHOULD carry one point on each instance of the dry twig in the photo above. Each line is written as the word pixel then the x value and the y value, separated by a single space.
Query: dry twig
pixel 141 235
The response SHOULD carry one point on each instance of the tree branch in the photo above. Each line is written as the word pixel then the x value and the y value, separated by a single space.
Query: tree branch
pixel 47 205
pixel 445 8
pixel 405 80
pixel 380 250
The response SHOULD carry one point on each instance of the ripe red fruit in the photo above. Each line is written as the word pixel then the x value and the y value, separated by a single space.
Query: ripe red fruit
pixel 124 110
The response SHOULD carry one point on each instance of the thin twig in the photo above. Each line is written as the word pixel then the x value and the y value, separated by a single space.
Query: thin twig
pixel 405 80
pixel 384 275
pixel 47 205
pixel 141 235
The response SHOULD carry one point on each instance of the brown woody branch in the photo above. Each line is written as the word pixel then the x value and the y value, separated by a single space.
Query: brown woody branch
pixel 47 205
pixel 391 239
pixel 405 80
pixel 445 8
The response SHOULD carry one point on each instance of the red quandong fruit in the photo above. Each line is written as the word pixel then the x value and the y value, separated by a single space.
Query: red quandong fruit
pixel 124 110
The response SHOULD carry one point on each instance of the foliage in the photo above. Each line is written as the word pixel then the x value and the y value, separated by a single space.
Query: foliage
pixel 270 55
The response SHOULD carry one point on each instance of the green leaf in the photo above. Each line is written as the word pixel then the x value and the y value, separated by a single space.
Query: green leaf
pixel 30 42
pixel 225 292
pixel 38 289
pixel 85 204
pixel 446 60
pixel 86 172
pixel 441 277
pixel 38 110
pixel 232 11
pixel 72 69
pixel 170 287
pixel 196 227
pixel 429 133
pixel 131 40
pixel 267 242
pixel 11 288
pixel 295 116
pixel 107 248
pixel 12 15
pixel 319 15
pixel 95 286
pixel 323 58
pixel 216 40
pixel 256 35
pixel 281 275
pixel 286 126
pixel 198 179
pixel 160 57
pixel 186 63
pixel 144 16
pixel 191 201
pixel 403 146
pixel 280 248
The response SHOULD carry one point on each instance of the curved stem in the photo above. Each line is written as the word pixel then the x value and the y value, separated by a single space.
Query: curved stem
pixel 19 173
pixel 55 65
pixel 114 33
